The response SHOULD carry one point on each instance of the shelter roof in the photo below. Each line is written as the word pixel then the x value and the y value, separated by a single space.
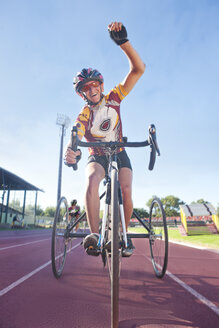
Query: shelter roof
pixel 14 182
pixel 198 209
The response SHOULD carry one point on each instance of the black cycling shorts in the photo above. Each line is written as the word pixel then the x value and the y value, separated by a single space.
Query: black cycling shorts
pixel 122 157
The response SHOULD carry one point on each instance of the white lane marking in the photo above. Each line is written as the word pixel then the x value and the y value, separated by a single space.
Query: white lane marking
pixel 187 245
pixel 25 236
pixel 18 245
pixel 200 297
pixel 19 281
pixel 213 250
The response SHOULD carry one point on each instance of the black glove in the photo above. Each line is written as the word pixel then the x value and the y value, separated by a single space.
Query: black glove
pixel 119 37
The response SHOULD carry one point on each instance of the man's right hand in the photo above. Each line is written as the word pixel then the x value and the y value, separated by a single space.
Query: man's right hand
pixel 118 33
pixel 71 157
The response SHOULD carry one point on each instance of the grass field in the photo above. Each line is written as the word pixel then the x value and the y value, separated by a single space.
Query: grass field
pixel 208 241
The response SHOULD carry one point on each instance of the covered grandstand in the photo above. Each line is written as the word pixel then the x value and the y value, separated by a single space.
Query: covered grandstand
pixel 10 182
pixel 199 218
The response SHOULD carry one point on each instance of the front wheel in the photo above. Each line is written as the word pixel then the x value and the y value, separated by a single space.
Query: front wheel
pixel 115 256
pixel 158 238
pixel 59 242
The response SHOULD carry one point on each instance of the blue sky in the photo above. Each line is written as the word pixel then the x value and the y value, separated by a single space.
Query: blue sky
pixel 42 46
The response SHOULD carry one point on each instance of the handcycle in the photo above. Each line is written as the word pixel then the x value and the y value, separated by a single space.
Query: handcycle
pixel 112 229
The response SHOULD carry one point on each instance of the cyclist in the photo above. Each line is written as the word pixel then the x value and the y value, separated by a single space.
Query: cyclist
pixel 100 120
pixel 15 219
pixel 74 212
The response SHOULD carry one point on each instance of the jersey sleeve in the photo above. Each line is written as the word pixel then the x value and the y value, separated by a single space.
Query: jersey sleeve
pixel 82 121
pixel 118 93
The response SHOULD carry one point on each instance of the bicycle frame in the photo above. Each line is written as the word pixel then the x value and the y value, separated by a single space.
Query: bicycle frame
pixel 152 142
pixel 112 165
pixel 69 234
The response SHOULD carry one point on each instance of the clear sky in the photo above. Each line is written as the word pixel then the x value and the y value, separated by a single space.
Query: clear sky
pixel 44 43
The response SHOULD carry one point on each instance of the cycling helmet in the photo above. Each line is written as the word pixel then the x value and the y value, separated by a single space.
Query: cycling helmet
pixel 86 75
pixel 73 202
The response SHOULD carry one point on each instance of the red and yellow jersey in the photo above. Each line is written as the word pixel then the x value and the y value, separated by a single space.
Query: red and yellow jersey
pixel 102 122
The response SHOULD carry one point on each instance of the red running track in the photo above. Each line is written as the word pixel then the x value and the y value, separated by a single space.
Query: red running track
pixel 30 296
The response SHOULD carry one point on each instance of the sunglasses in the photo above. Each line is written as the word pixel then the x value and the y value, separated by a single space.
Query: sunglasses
pixel 87 87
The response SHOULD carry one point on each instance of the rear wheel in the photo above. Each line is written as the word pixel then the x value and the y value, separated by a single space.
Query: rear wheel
pixel 59 242
pixel 115 255
pixel 158 239
pixel 108 237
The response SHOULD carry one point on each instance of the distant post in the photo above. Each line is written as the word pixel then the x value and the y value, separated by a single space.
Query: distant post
pixel 63 121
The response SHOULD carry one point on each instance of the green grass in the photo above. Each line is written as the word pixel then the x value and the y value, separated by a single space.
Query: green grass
pixel 208 241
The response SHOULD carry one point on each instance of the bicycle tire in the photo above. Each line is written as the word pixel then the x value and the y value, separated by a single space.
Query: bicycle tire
pixel 108 237
pixel 115 271
pixel 158 238
pixel 59 244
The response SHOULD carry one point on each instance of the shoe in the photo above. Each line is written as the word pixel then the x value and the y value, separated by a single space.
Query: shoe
pixel 90 244
pixel 128 251
pixel 108 245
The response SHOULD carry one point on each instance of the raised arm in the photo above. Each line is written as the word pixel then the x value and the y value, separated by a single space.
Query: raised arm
pixel 136 65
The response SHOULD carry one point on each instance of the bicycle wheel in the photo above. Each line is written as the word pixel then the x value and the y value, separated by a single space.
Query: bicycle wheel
pixel 108 237
pixel 59 243
pixel 115 255
pixel 158 239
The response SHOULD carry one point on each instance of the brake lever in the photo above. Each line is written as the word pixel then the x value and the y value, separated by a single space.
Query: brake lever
pixel 153 138
pixel 74 145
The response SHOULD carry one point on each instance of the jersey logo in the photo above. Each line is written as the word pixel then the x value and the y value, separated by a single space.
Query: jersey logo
pixel 105 126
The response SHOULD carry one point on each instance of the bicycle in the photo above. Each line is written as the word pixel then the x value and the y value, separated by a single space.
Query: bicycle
pixel 113 222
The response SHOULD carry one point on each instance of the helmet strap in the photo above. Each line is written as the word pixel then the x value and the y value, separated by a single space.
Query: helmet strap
pixel 91 103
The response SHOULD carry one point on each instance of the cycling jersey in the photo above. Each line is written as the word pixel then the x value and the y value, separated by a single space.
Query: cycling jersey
pixel 102 122
pixel 73 211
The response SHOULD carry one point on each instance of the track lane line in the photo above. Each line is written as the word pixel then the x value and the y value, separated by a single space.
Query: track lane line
pixel 18 245
pixel 24 278
pixel 200 297
pixel 9 237
pixel 197 295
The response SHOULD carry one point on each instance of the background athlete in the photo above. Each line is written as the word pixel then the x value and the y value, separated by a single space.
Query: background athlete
pixel 74 212
pixel 100 120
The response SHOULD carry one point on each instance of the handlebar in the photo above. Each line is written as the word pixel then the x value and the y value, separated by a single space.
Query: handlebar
pixel 153 146
pixel 151 141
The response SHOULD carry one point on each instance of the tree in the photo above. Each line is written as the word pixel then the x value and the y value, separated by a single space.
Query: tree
pixel 29 210
pixel 170 204
pixel 200 201
pixel 39 211
pixel 150 201
pixel 141 212
pixel 15 204
pixel 50 211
